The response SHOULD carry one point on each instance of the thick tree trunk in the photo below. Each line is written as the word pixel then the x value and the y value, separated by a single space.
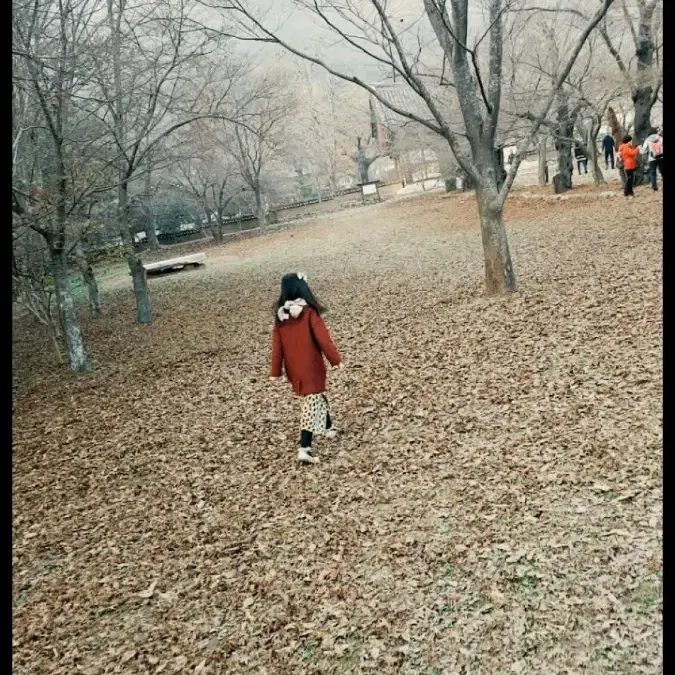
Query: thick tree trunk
pixel 77 356
pixel 138 275
pixel 543 164
pixel 642 102
pixel 563 141
pixel 140 282
pixel 563 146
pixel 499 274
pixel 260 210
pixel 89 279
pixel 565 164
pixel 617 130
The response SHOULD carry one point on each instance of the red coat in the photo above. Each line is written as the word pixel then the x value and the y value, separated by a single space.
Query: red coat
pixel 298 344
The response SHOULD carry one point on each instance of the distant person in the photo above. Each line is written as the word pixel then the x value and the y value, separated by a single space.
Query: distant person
pixel 608 145
pixel 629 155
pixel 580 156
pixel 300 340
pixel 652 151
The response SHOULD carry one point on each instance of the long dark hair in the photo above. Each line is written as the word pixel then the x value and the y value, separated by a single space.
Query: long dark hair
pixel 293 288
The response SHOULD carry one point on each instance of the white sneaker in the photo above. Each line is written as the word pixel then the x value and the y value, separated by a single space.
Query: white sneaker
pixel 305 456
pixel 332 433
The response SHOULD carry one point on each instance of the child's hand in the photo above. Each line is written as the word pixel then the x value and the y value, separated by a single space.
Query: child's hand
pixel 273 379
pixel 339 366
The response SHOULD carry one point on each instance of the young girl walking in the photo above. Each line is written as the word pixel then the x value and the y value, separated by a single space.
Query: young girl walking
pixel 300 339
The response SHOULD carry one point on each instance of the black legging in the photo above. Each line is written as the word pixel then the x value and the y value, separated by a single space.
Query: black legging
pixel 653 166
pixel 628 185
pixel 609 157
pixel 307 436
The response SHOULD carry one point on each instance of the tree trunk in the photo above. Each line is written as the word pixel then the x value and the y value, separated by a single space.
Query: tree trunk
pixel 140 282
pixel 77 356
pixel 499 274
pixel 407 172
pixel 399 171
pixel 543 165
pixel 138 275
pixel 218 226
pixel 592 151
pixel 89 279
pixel 642 101
pixel 565 164
pixel 260 209
pixel 617 130
pixel 151 232
pixel 563 144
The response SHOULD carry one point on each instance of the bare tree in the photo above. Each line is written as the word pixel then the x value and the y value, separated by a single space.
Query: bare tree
pixel 582 100
pixel 373 29
pixel 51 41
pixel 269 104
pixel 211 177
pixel 32 286
pixel 643 71
pixel 155 78
pixel 322 130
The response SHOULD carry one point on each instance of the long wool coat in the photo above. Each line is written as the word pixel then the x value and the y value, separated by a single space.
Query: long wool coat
pixel 298 344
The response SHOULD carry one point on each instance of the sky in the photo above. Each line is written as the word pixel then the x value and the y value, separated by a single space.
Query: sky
pixel 305 31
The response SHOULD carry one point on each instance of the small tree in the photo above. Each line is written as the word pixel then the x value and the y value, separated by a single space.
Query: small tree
pixel 252 145
pixel 208 174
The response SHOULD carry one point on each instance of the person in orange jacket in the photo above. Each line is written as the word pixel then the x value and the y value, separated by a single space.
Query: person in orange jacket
pixel 300 340
pixel 629 155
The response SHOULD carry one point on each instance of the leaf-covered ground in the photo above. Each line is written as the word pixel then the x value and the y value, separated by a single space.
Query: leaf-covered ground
pixel 494 506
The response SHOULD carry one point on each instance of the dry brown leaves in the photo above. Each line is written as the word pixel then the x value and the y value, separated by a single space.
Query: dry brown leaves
pixel 494 507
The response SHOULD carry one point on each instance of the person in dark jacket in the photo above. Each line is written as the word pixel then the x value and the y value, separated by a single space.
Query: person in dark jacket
pixel 581 158
pixel 300 340
pixel 608 145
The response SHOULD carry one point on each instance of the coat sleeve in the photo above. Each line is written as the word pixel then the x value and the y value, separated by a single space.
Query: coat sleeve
pixel 277 353
pixel 323 339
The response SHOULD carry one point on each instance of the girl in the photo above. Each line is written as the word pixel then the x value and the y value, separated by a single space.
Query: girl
pixel 299 341
pixel 629 154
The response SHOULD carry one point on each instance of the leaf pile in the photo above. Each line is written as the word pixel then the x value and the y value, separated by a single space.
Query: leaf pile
pixel 494 506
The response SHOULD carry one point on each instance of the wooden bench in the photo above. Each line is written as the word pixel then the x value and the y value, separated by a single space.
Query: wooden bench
pixel 175 264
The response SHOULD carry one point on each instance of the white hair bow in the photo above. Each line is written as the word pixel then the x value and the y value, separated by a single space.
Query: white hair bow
pixel 302 276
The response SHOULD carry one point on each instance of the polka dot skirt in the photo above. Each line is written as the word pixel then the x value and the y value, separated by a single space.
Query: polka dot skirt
pixel 315 411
